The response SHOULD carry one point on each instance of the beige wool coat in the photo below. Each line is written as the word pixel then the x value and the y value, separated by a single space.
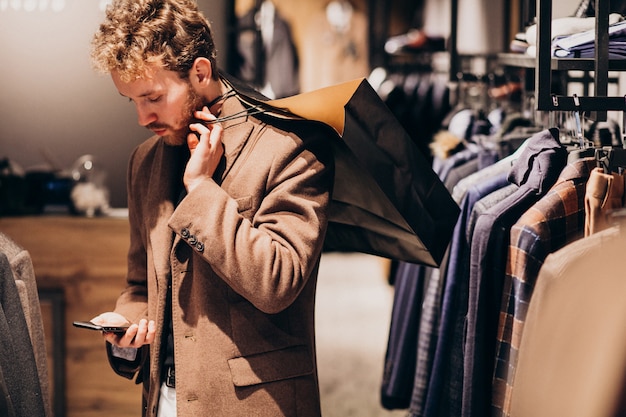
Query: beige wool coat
pixel 242 253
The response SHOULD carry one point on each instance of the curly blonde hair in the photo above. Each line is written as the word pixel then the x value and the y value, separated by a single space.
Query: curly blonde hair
pixel 138 33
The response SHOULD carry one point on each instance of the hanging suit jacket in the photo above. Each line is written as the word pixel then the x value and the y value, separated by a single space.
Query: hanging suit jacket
pixel 275 63
pixel 534 172
pixel 431 308
pixel 444 393
pixel 554 221
pixel 403 374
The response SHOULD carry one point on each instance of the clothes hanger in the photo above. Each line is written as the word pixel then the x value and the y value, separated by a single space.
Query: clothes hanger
pixel 579 129
pixel 577 145
pixel 611 158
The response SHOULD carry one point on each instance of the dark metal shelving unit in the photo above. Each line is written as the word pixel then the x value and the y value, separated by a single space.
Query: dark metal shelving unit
pixel 544 65
pixel 600 102
pixel 558 64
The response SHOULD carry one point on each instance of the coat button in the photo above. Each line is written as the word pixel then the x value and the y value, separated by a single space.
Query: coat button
pixel 193 240
pixel 200 246
pixel 185 233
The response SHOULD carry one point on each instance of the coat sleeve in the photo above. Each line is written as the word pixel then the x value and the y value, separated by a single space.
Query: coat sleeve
pixel 129 365
pixel 133 301
pixel 264 242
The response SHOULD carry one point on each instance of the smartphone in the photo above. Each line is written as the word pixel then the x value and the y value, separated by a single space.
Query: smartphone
pixel 108 329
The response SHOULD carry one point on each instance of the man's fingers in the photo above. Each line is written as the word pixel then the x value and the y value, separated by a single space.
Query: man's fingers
pixel 202 134
pixel 136 336
pixel 215 136
pixel 151 332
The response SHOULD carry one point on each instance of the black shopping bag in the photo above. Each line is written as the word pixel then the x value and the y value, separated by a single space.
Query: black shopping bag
pixel 387 200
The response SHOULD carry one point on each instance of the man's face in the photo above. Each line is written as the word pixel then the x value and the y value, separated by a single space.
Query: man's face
pixel 165 103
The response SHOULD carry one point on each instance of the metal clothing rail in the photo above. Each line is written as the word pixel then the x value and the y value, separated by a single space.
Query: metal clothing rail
pixel 598 103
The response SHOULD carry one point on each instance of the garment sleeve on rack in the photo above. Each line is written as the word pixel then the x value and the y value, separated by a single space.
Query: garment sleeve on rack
pixel 429 322
pixel 26 281
pixel 17 360
pixel 401 353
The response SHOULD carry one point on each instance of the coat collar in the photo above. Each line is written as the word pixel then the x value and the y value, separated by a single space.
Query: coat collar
pixel 237 130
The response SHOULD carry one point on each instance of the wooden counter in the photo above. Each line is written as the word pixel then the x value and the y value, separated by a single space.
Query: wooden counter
pixel 80 266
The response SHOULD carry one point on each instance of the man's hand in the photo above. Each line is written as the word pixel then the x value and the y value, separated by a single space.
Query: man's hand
pixel 206 152
pixel 137 335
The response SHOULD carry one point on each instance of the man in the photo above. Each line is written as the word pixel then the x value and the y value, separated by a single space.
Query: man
pixel 227 212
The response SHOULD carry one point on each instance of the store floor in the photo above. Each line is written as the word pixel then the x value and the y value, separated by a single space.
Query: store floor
pixel 354 303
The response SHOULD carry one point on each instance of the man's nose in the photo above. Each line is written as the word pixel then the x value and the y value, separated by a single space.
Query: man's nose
pixel 144 118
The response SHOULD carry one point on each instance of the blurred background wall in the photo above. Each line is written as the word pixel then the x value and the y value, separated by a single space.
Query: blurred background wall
pixel 53 107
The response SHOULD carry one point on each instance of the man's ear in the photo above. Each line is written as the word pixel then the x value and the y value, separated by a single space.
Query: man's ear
pixel 201 72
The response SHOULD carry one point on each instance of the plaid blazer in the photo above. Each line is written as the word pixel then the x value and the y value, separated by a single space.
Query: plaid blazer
pixel 555 220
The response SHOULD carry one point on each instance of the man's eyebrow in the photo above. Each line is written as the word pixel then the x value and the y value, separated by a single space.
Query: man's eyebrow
pixel 146 94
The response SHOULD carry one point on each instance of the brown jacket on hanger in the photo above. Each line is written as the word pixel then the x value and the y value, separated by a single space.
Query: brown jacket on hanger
pixel 242 253
pixel 604 194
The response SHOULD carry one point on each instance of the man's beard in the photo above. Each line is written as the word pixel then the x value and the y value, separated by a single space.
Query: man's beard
pixel 179 136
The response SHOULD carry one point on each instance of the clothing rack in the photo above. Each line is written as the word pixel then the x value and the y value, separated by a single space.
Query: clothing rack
pixel 452 46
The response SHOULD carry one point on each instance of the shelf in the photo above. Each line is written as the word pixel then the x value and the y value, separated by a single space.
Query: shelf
pixel 558 64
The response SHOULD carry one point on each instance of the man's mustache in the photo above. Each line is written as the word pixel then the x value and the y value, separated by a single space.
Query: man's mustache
pixel 157 126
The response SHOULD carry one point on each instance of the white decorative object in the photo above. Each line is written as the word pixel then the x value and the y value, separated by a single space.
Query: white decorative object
pixel 89 195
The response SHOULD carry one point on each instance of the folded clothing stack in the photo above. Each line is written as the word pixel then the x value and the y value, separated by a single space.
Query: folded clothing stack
pixel 582 44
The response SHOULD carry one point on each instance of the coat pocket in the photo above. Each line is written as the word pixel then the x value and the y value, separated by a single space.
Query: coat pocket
pixel 271 366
